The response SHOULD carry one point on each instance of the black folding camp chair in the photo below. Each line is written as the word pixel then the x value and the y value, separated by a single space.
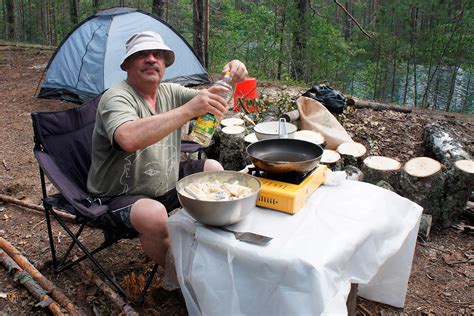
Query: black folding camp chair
pixel 63 144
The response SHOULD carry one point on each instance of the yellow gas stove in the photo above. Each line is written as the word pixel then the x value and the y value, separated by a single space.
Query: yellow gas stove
pixel 283 196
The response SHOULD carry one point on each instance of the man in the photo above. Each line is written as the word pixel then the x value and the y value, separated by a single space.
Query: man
pixel 136 141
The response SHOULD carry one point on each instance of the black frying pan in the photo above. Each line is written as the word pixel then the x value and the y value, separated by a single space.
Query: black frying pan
pixel 284 155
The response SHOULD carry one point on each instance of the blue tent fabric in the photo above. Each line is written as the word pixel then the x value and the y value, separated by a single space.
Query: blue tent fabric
pixel 87 61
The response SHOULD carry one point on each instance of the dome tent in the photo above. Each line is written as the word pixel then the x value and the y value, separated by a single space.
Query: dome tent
pixel 88 59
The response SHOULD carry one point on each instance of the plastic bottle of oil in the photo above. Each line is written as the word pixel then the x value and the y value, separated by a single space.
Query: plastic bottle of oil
pixel 206 124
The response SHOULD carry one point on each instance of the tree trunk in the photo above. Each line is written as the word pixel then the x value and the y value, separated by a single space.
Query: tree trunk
pixel 452 85
pixel 405 90
pixel 394 73
pixel 300 42
pixel 158 8
pixel 74 11
pixel 199 29
pixel 466 98
pixel 10 14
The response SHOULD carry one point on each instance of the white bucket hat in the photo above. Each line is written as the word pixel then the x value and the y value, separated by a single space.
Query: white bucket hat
pixel 147 40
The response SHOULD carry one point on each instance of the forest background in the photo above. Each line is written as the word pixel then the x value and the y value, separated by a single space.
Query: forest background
pixel 418 53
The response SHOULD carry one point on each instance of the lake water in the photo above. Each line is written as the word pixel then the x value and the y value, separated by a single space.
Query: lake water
pixel 462 99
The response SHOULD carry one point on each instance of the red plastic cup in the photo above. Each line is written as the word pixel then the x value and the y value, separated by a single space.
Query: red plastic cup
pixel 247 90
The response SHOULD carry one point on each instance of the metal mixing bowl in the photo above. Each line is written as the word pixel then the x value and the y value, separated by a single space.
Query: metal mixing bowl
pixel 219 213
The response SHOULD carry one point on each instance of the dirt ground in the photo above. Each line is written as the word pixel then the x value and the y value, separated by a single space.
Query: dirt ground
pixel 442 277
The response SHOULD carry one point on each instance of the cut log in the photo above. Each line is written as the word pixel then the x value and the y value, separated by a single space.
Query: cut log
pixel 353 173
pixel 111 294
pixel 422 181
pixel 311 136
pixel 24 278
pixel 446 148
pixel 385 185
pixel 232 154
pixel 46 284
pixel 34 207
pixel 232 121
pixel 458 186
pixel 376 168
pixel 332 159
pixel 292 116
pixel 378 106
pixel 425 227
pixel 352 153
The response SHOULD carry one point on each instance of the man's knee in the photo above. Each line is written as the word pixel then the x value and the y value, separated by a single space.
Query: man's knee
pixel 149 217
pixel 212 165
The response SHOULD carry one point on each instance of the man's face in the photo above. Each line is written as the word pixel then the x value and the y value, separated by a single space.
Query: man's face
pixel 147 66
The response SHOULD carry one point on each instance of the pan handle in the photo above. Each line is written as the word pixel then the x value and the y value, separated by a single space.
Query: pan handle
pixel 282 133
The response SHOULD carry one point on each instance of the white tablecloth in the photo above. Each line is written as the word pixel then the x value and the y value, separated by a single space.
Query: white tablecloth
pixel 351 233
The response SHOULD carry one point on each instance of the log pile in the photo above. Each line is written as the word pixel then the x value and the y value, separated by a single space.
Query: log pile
pixel 41 288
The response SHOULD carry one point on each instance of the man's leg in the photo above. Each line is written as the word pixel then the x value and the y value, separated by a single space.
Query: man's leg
pixel 149 218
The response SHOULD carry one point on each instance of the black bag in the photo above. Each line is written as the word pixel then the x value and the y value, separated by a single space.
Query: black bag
pixel 332 99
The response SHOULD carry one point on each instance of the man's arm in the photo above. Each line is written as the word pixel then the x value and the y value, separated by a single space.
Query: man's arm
pixel 141 133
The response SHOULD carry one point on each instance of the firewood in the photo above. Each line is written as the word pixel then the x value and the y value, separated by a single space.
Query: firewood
pixel 376 168
pixel 292 116
pixel 232 121
pixel 425 227
pixel 378 106
pixel 34 207
pixel 352 153
pixel 332 159
pixel 46 284
pixel 446 148
pixel 353 173
pixel 422 181
pixel 24 278
pixel 111 294
pixel 458 186
pixel 311 136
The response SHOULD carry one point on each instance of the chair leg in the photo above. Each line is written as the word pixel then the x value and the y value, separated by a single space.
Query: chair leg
pixel 149 279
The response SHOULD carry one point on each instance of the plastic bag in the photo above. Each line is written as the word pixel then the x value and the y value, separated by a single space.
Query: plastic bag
pixel 315 117
pixel 332 99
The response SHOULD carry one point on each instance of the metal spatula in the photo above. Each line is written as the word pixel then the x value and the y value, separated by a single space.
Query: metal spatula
pixel 249 236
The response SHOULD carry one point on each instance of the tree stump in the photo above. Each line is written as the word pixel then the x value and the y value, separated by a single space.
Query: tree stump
pixel 439 140
pixel 352 153
pixel 377 168
pixel 332 159
pixel 422 181
pixel 232 154
pixel 458 186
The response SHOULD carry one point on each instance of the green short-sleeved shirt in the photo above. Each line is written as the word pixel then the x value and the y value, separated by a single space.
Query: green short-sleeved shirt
pixel 151 171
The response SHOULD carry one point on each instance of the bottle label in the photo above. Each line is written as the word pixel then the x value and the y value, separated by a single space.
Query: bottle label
pixel 204 129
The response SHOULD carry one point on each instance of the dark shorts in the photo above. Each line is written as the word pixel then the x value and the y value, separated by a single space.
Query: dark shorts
pixel 118 216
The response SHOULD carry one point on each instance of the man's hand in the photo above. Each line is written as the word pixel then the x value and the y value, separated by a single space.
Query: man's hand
pixel 237 69
pixel 208 102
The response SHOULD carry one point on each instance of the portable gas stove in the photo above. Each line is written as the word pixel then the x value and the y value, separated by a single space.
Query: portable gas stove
pixel 287 192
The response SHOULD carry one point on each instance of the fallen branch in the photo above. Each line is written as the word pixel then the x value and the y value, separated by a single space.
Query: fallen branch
pixel 23 262
pixel 24 278
pixel 377 106
pixel 111 294
pixel 34 207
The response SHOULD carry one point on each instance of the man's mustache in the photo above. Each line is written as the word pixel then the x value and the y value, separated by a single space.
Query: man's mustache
pixel 155 67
